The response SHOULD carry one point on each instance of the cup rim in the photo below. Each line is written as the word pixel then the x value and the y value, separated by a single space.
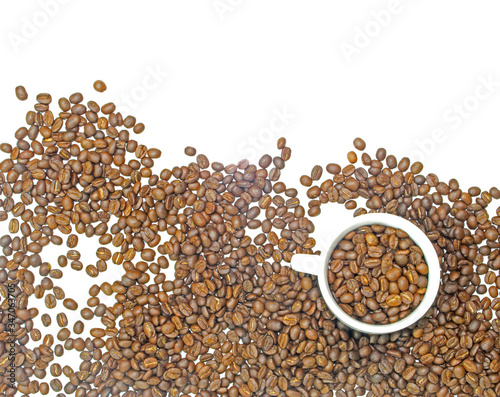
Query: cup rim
pixel 433 277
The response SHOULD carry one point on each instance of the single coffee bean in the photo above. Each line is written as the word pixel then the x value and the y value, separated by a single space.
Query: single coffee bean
pixel 50 301
pixel 359 144
pixel 100 86
pixel 316 173
pixel 190 151
pixel 352 157
pixel 78 327
pixel 70 304
pixel 138 128
pixel 62 320
pixel 21 93
pixel 333 168
pixel 46 320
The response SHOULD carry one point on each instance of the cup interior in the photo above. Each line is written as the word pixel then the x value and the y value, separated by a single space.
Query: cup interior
pixel 433 277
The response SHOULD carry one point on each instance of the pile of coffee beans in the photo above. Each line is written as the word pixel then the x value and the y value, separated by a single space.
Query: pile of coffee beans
pixel 377 274
pixel 235 320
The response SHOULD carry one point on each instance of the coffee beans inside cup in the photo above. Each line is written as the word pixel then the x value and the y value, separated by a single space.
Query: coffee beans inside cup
pixel 377 274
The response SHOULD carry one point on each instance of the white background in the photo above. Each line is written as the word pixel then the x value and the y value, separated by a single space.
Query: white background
pixel 421 78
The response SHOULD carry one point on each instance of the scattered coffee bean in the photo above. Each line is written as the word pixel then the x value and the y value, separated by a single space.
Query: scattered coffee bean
pixel 21 93
pixel 359 144
pixel 352 157
pixel 46 320
pixel 100 86
pixel 70 304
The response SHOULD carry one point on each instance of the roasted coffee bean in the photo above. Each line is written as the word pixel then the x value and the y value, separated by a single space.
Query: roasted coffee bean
pixel 190 151
pixel 316 173
pixel 46 320
pixel 359 144
pixel 100 86
pixel 305 180
pixel 352 157
pixel 78 327
pixel 50 301
pixel 21 93
pixel 62 320
pixel 138 128
pixel 70 304
pixel 333 168
pixel 87 314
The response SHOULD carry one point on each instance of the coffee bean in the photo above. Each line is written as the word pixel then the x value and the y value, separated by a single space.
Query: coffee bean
pixel 416 167
pixel 352 157
pixel 63 334
pixel 316 173
pixel 100 86
pixel 139 128
pixel 70 304
pixel 305 180
pixel 87 314
pixel 78 327
pixel 333 168
pixel 190 151
pixel 359 144
pixel 72 241
pixel 58 293
pixel 62 320
pixel 76 98
pixel 381 154
pixel 21 93
pixel 46 320
pixel 50 301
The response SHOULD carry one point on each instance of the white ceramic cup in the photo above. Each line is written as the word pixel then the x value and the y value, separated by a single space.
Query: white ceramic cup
pixel 318 265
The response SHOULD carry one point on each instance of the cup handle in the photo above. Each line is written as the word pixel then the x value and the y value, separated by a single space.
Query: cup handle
pixel 307 263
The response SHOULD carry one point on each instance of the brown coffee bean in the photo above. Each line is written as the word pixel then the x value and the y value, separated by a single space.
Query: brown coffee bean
pixel 305 180
pixel 21 93
pixel 393 274
pixel 63 334
pixel 70 304
pixel 190 151
pixel 78 327
pixel 359 144
pixel 46 320
pixel 333 169
pixel 316 173
pixel 50 301
pixel 416 168
pixel 352 157
pixel 62 320
pixel 58 293
pixel 72 241
pixel 100 86
pixel 139 128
